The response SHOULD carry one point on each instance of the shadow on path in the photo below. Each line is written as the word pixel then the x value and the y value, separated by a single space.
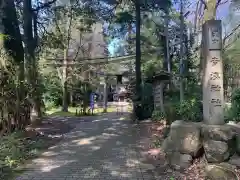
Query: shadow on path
pixel 102 147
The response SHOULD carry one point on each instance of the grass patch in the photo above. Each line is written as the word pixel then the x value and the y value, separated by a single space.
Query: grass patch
pixel 58 112
pixel 15 149
pixel 72 111
pixel 109 109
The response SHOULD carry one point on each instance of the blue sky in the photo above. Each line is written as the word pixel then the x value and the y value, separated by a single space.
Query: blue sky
pixel 112 45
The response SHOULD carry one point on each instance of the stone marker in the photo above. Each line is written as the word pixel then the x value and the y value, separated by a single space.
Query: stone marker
pixel 212 82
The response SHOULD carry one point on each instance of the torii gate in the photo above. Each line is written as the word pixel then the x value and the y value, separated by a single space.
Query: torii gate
pixel 96 64
pixel 119 76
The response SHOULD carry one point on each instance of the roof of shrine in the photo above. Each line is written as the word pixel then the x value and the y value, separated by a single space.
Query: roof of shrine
pixel 159 76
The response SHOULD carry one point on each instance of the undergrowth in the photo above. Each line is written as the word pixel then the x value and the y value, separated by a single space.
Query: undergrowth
pixel 157 143
pixel 16 148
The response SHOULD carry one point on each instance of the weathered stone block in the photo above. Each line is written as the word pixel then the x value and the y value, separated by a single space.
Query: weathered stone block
pixel 183 138
pixel 218 132
pixel 235 160
pixel 179 161
pixel 216 151
pixel 221 171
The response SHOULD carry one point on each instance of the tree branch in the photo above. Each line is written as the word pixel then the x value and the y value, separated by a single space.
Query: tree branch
pixel 221 3
pixel 79 47
pixel 58 28
pixel 44 5
pixel 69 26
pixel 218 2
pixel 204 3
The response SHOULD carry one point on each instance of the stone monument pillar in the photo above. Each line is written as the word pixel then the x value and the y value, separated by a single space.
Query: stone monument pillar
pixel 212 82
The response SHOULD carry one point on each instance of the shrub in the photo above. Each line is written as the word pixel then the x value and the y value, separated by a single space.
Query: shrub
pixel 171 110
pixel 158 115
pixel 169 115
pixel 233 113
pixel 49 105
pixel 190 110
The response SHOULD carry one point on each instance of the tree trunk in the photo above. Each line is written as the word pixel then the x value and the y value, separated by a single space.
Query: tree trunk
pixel 64 82
pixel 71 102
pixel 181 54
pixel 210 10
pixel 166 49
pixel 31 61
pixel 138 51
pixel 65 75
pixel 11 46
pixel 129 49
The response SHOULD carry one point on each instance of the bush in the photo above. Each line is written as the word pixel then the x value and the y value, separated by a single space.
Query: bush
pixel 170 114
pixel 147 101
pixel 171 110
pixel 233 113
pixel 49 105
pixel 190 110
pixel 158 115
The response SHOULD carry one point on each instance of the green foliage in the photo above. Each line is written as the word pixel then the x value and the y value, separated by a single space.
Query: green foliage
pixel 156 143
pixel 14 149
pixel 123 17
pixel 147 100
pixel 49 104
pixel 52 92
pixel 236 98
pixel 158 4
pixel 233 113
pixel 170 114
pixel 190 110
pixel 144 108
pixel 158 115
pixel 151 66
pixel 4 36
